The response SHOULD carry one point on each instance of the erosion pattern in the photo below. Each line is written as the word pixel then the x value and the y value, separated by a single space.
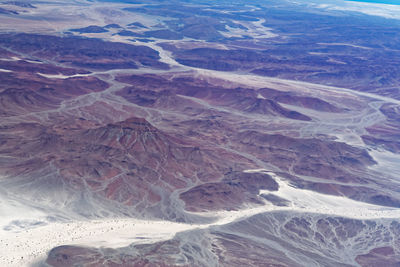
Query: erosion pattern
pixel 145 133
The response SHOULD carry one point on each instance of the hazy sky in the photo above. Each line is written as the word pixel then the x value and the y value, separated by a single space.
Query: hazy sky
pixel 392 2
pixel 381 8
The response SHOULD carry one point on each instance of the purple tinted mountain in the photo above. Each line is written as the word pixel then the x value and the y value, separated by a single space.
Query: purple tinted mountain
pixel 83 52
pixel 233 134
pixel 90 29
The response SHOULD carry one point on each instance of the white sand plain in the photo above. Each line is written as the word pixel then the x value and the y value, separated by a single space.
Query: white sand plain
pixel 22 246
